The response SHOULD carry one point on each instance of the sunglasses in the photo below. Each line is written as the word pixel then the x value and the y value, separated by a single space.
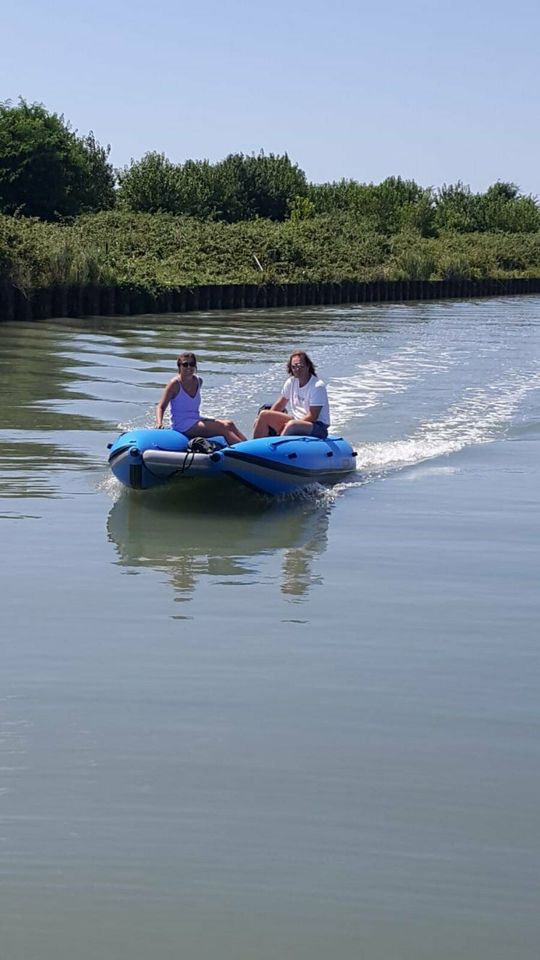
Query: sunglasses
pixel 297 366
pixel 188 363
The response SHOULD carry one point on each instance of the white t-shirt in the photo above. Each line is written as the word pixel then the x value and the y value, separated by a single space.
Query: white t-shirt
pixel 300 399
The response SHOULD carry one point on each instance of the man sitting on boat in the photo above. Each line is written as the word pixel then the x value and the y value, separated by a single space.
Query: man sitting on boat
pixel 305 398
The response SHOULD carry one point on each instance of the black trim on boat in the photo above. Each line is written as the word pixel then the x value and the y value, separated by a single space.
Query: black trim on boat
pixel 135 476
pixel 253 460
pixel 116 453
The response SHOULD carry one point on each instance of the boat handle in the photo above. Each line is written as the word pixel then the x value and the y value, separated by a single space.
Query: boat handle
pixel 292 439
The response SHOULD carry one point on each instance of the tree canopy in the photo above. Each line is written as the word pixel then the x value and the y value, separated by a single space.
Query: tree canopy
pixel 50 172
pixel 237 188
pixel 46 170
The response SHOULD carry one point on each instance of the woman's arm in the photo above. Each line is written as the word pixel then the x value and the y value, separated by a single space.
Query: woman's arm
pixel 169 392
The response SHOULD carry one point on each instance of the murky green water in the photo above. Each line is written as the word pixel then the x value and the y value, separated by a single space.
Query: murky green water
pixel 251 730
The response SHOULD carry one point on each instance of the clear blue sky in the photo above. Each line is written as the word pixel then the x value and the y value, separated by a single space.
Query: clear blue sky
pixel 425 90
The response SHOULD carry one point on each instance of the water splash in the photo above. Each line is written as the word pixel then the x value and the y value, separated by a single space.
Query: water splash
pixel 482 416
pixel 110 486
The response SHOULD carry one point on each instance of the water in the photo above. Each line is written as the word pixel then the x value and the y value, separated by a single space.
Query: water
pixel 242 729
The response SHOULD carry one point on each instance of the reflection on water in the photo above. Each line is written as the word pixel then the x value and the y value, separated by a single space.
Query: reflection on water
pixel 28 467
pixel 207 531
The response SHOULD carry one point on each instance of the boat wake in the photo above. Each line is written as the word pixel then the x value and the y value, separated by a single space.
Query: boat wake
pixel 482 416
pixel 356 395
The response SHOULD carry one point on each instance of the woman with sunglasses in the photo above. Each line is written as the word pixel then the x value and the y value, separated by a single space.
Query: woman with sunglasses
pixel 183 394
pixel 305 398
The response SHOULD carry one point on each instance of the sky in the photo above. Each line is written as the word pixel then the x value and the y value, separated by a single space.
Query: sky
pixel 423 90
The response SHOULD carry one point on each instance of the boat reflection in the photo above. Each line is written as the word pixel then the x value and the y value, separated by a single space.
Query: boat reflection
pixel 215 534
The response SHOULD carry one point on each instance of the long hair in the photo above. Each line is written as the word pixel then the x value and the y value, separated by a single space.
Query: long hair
pixel 305 358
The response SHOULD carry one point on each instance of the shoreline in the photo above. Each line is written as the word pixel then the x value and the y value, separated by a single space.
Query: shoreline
pixel 92 300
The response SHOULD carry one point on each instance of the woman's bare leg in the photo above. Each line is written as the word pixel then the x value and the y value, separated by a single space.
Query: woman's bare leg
pixel 237 434
pixel 208 427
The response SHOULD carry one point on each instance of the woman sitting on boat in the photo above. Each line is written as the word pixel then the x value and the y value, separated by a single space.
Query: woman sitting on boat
pixel 183 394
pixel 305 398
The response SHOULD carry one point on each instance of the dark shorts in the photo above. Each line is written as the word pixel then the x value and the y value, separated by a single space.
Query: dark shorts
pixel 319 430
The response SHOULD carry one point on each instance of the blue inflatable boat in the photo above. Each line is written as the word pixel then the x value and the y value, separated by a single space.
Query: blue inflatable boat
pixel 142 459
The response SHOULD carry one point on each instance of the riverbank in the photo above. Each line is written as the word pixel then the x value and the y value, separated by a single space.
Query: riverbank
pixel 96 300
pixel 119 263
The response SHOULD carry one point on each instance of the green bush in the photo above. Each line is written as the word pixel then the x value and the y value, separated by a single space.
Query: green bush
pixel 46 170
pixel 237 188
pixel 158 251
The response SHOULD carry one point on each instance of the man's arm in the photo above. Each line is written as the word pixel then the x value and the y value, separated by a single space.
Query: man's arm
pixel 313 415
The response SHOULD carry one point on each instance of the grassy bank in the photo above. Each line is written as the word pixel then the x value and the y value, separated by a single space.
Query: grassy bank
pixel 156 252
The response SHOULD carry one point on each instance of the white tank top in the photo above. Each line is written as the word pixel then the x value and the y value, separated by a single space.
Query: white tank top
pixel 185 410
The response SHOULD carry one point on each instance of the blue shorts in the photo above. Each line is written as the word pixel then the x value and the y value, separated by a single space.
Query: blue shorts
pixel 319 430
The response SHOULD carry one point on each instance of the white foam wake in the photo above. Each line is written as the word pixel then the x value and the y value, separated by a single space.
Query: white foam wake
pixel 482 416
pixel 354 396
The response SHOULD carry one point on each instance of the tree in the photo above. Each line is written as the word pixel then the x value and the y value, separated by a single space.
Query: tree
pixel 98 187
pixel 259 185
pixel 502 208
pixel 456 208
pixel 387 207
pixel 46 170
pixel 237 188
pixel 150 185
pixel 398 203
pixel 199 190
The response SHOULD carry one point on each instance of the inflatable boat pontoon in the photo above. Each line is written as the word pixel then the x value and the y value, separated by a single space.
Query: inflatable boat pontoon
pixel 142 459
